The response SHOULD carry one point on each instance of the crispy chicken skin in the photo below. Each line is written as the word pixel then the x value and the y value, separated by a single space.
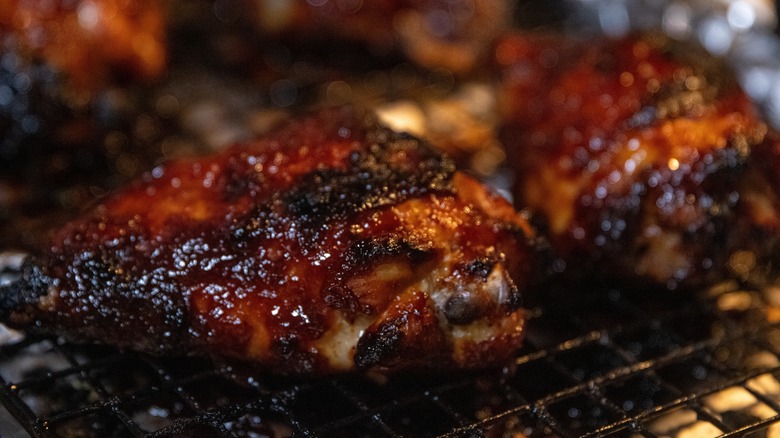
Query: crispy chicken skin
pixel 330 245
pixel 641 155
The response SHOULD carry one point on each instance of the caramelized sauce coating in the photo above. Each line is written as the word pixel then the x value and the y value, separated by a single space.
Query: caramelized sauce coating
pixel 331 244
pixel 636 153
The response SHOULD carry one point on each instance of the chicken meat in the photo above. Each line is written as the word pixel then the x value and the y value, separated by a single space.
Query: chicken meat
pixel 450 34
pixel 329 245
pixel 641 157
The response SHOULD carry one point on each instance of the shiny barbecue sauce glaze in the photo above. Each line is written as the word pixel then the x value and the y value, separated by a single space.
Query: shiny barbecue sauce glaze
pixel 635 153
pixel 331 243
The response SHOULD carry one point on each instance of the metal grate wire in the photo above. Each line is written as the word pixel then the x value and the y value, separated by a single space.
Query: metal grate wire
pixel 600 362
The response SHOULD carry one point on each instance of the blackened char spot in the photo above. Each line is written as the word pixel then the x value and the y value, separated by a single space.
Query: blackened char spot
pixel 285 346
pixel 105 284
pixel 379 346
pixel 25 291
pixel 111 289
pixel 515 299
pixel 481 267
pixel 394 168
pixel 366 251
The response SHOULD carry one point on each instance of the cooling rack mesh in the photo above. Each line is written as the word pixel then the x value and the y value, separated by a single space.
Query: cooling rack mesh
pixel 597 362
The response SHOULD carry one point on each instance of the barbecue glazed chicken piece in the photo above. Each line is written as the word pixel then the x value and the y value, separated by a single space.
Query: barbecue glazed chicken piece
pixel 331 244
pixel 640 155
pixel 450 34
pixel 60 56
pixel 88 41
pixel 65 75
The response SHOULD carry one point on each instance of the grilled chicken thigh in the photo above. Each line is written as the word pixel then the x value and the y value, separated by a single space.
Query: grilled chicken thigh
pixel 450 34
pixel 58 60
pixel 88 41
pixel 331 244
pixel 67 75
pixel 641 155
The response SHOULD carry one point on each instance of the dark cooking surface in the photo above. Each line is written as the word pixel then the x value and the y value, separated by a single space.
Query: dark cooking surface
pixel 605 363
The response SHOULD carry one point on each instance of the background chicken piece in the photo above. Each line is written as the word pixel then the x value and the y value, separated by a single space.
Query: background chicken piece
pixel 88 41
pixel 638 154
pixel 67 69
pixel 58 58
pixel 331 244
pixel 436 34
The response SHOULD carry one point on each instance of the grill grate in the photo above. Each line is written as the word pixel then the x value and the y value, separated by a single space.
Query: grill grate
pixel 601 362
pixel 597 362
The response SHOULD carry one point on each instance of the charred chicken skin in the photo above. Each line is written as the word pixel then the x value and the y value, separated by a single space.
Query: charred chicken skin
pixel 332 244
pixel 641 155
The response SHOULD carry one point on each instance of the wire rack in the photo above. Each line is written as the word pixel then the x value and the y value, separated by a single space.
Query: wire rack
pixel 597 362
